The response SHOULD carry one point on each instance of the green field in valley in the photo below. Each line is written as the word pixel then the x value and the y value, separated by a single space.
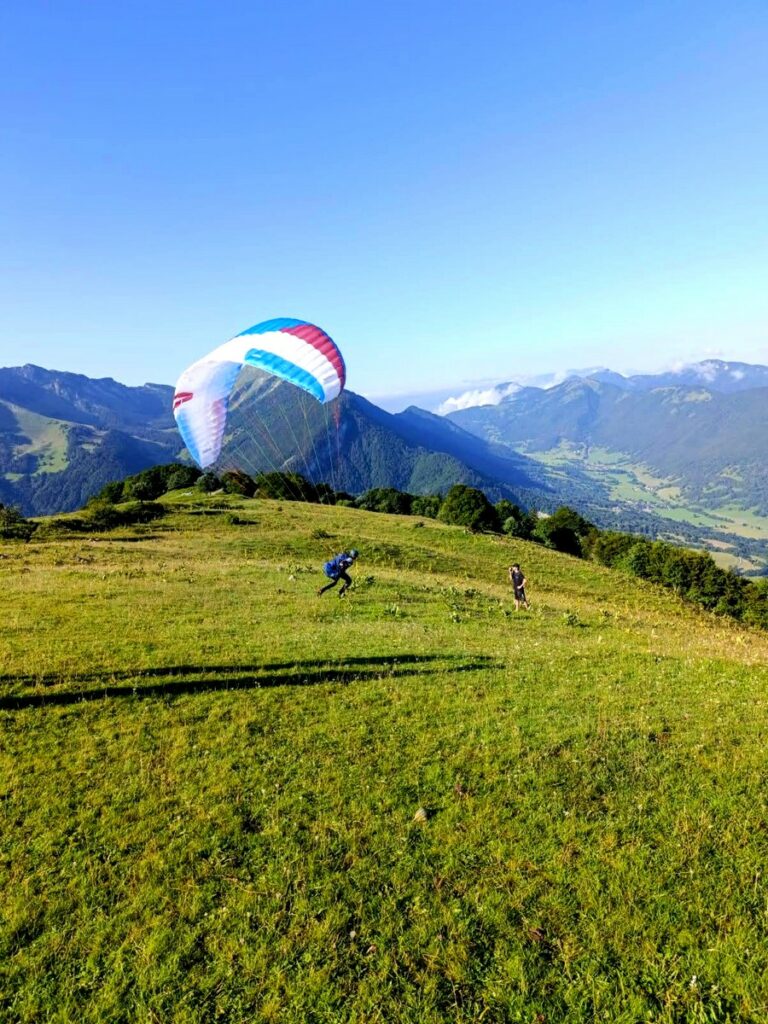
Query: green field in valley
pixel 635 485
pixel 223 798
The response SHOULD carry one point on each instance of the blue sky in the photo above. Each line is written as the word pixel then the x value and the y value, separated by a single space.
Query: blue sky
pixel 456 192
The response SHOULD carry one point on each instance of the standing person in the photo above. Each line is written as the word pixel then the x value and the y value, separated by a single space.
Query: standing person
pixel 518 581
pixel 336 570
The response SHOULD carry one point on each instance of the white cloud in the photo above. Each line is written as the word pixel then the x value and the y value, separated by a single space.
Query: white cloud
pixel 480 396
pixel 707 371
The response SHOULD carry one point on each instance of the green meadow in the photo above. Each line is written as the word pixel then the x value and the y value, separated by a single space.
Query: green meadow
pixel 46 439
pixel 223 798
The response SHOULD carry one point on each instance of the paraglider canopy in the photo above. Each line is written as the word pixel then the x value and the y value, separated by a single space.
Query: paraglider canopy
pixel 292 350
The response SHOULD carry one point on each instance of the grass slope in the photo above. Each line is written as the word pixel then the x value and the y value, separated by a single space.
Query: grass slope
pixel 209 781
pixel 45 439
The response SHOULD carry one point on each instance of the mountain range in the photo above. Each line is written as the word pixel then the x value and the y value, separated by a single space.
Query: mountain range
pixel 645 453
pixel 63 436
pixel 702 432
pixel 712 374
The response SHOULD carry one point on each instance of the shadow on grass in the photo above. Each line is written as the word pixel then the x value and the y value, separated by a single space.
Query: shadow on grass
pixel 238 677
pixel 130 538
pixel 168 671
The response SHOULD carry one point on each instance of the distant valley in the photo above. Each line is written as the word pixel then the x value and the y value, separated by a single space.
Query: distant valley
pixel 689 446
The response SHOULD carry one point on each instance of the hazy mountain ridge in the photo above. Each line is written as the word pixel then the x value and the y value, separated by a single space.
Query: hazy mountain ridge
pixel 102 402
pixel 710 441
pixel 714 374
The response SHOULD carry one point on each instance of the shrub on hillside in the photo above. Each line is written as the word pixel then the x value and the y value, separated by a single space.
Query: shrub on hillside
pixel 13 525
pixel 565 531
pixel 466 506
pixel 182 477
pixel 286 487
pixel 72 524
pixel 208 482
pixel 637 559
pixel 141 512
pixel 609 547
pixel 386 499
pixel 100 515
pixel 145 486
pixel 756 610
pixel 343 498
pixel 520 524
pixel 427 505
pixel 693 575
pixel 326 494
pixel 111 492
pixel 506 509
pixel 149 483
pixel 237 482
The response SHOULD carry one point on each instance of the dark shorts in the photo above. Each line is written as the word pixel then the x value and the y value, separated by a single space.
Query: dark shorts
pixel 334 577
pixel 519 593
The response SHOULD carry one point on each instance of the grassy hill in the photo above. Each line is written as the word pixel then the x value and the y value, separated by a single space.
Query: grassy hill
pixel 211 777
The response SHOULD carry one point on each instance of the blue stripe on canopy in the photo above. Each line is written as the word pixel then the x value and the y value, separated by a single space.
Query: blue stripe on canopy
pixel 279 324
pixel 187 435
pixel 284 368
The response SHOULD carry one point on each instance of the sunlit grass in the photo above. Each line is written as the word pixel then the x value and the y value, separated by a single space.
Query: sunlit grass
pixel 210 777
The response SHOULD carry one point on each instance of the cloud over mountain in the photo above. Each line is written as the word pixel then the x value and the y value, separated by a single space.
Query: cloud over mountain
pixel 478 396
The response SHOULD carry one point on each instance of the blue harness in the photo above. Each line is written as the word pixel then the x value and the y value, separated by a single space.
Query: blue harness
pixel 335 567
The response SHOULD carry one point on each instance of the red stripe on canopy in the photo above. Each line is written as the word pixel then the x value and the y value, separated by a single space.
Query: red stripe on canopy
pixel 181 397
pixel 319 339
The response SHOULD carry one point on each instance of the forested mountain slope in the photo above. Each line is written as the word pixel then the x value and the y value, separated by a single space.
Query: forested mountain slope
pixel 63 436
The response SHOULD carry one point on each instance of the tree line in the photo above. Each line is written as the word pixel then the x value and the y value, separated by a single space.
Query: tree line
pixel 693 575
